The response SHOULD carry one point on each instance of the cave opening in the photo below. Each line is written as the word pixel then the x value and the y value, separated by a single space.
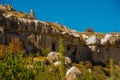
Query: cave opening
pixel 53 46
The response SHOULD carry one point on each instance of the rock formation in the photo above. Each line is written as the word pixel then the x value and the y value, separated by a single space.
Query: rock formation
pixel 53 56
pixel 73 73
pixel 32 14
pixel 39 35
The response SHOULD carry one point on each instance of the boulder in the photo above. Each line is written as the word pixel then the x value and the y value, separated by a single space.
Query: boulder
pixel 84 36
pixel 105 40
pixel 68 61
pixel 75 34
pixel 92 40
pixel 53 56
pixel 57 63
pixel 73 73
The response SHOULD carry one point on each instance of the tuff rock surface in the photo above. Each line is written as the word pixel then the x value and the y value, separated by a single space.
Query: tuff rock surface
pixel 39 35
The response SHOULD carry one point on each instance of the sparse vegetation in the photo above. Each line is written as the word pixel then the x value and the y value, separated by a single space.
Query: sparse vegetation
pixel 111 69
pixel 15 46
pixel 89 30
pixel 16 66
pixel 46 51
pixel 57 26
pixel 62 67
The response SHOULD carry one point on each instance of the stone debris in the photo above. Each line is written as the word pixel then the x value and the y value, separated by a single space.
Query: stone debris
pixel 73 73
pixel 84 36
pixel 53 56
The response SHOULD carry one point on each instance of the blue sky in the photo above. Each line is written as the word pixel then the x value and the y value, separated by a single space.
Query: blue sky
pixel 101 15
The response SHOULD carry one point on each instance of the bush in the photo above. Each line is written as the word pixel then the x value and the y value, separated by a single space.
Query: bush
pixel 62 67
pixel 88 65
pixel 46 51
pixel 14 68
pixel 89 30
pixel 15 46
pixel 17 67
pixel 49 73
pixel 96 72
pixel 2 50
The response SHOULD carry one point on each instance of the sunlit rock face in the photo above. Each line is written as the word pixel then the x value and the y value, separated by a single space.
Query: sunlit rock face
pixel 5 8
pixel 39 35
pixel 73 73
pixel 53 56
pixel 92 40
pixel 105 40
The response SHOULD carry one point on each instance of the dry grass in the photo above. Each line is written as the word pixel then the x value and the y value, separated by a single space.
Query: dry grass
pixel 18 14
pixel 41 59
pixel 57 26
pixel 38 59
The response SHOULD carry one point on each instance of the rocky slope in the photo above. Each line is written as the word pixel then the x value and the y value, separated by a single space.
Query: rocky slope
pixel 37 35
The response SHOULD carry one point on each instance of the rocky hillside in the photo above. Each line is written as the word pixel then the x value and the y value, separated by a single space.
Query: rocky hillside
pixel 7 10
pixel 37 35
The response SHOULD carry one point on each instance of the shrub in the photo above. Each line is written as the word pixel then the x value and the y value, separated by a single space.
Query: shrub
pixel 46 51
pixel 89 30
pixel 111 69
pixel 17 67
pixel 88 64
pixel 2 50
pixel 62 67
pixel 15 46
pixel 96 72
pixel 99 73
pixel 49 73
pixel 14 68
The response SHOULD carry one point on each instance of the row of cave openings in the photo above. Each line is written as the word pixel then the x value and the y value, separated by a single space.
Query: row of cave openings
pixel 53 48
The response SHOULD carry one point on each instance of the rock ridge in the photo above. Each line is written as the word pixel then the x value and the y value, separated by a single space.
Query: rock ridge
pixel 39 35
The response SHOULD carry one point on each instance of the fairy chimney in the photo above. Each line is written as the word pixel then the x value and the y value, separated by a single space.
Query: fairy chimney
pixel 32 15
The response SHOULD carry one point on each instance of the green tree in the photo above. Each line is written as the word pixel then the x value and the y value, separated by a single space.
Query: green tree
pixel 62 67
pixel 111 69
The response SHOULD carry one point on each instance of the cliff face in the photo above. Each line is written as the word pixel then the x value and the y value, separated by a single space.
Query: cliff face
pixel 37 35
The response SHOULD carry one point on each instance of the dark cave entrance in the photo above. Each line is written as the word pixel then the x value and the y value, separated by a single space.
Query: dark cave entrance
pixel 53 46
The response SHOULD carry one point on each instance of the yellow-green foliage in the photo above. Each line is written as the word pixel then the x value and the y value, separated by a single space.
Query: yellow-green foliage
pixel 111 69
pixel 46 51
pixel 19 68
pixel 96 72
pixel 62 67
pixel 15 68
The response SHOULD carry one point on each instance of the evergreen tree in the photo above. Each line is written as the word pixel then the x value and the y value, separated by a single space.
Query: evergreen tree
pixel 62 67
pixel 111 69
